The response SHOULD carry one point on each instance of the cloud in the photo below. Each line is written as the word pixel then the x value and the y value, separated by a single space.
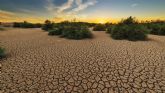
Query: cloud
pixel 65 6
pixel 134 5
pixel 78 2
pixel 49 5
pixel 26 11
pixel 82 6
pixel 60 14
pixel 6 13
pixel 7 16
pixel 58 9
pixel 69 5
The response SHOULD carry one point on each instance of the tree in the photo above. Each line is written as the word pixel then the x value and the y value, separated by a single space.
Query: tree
pixel 48 25
pixel 130 20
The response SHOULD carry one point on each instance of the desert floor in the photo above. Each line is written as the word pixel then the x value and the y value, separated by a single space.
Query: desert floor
pixel 40 63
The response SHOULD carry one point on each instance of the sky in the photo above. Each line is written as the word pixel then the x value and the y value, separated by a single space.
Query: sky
pixel 97 11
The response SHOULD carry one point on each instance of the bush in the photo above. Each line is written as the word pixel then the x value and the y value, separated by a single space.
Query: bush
pixel 128 29
pixel 16 24
pixel 71 30
pixel 129 32
pixel 47 26
pixel 110 29
pixel 162 31
pixel 1 29
pixel 37 25
pixel 26 25
pixel 55 31
pixel 154 28
pixel 99 27
pixel 2 53
pixel 74 32
pixel 119 32
pixel 157 29
pixel 137 32
pixel 130 20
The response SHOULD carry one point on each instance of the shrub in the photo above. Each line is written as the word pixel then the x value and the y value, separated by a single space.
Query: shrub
pixel 1 29
pixel 108 24
pixel 76 32
pixel 130 20
pixel 137 32
pixel 128 29
pixel 162 31
pixel 99 27
pixel 119 32
pixel 47 26
pixel 16 24
pixel 2 53
pixel 154 28
pixel 110 29
pixel 26 25
pixel 71 30
pixel 157 29
pixel 55 31
pixel 38 25
pixel 129 32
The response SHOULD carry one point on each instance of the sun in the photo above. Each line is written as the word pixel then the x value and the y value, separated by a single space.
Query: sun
pixel 102 21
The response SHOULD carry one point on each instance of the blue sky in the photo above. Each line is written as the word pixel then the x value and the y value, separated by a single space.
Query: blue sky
pixel 83 10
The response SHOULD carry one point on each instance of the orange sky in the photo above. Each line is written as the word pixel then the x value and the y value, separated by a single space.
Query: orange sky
pixel 93 11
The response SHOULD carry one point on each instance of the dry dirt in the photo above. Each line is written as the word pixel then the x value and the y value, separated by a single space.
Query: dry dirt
pixel 38 63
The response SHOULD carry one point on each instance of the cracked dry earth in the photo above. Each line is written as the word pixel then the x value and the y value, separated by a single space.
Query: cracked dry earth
pixel 38 63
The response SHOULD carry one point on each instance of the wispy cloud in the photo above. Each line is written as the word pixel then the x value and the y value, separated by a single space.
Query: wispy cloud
pixel 65 6
pixel 6 13
pixel 134 5
pixel 82 6
pixel 8 16
pixel 60 12
pixel 50 6
pixel 69 5
pixel 67 11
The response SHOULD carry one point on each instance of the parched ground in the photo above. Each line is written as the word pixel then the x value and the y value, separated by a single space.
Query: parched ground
pixel 38 63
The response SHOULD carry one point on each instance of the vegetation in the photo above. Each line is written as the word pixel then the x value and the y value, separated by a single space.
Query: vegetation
pixel 110 28
pixel 129 21
pixel 1 29
pixel 76 32
pixel 47 26
pixel 2 53
pixel 156 28
pixel 55 31
pixel 129 32
pixel 71 30
pixel 128 29
pixel 99 27
pixel 26 25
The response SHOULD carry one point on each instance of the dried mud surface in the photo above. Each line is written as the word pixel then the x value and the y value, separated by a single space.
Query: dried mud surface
pixel 38 63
